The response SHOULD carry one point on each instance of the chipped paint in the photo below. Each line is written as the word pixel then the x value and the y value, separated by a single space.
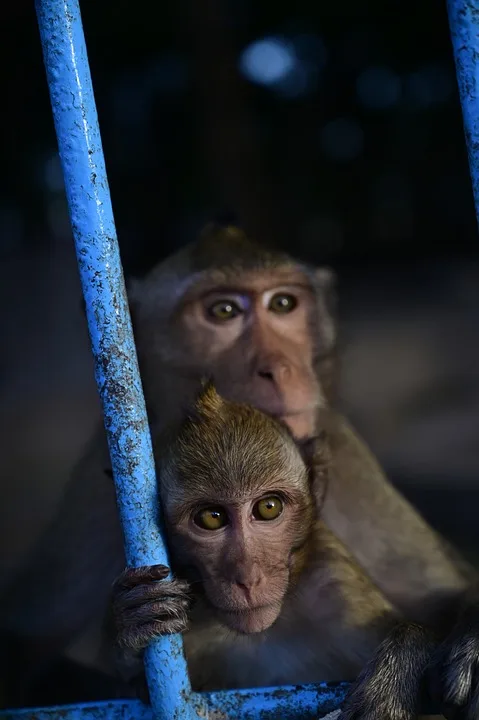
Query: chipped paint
pixel 295 702
pixel 116 366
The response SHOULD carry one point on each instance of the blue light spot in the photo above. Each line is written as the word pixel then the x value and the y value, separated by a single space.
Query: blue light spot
pixel 378 88
pixel 268 61
pixel 342 139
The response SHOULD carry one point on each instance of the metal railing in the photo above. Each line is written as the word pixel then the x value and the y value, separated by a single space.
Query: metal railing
pixel 118 378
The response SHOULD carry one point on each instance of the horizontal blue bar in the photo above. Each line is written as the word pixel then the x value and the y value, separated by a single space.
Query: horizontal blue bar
pixel 298 702
pixel 294 702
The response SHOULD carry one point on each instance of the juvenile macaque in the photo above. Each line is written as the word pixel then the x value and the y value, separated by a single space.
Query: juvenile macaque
pixel 261 325
pixel 267 578
pixel 262 591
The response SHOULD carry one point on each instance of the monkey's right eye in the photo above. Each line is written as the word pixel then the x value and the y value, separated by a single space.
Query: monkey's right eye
pixel 212 518
pixel 224 310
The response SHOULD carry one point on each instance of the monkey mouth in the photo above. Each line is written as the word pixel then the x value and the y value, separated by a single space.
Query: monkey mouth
pixel 253 620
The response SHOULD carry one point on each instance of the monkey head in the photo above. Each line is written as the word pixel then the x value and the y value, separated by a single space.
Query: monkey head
pixel 254 320
pixel 239 505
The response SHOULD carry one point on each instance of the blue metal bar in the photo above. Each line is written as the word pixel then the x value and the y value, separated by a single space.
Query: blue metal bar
pixel 116 366
pixel 464 25
pixel 300 702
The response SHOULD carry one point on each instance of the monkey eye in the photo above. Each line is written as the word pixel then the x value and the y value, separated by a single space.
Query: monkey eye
pixel 212 518
pixel 282 303
pixel 224 310
pixel 268 508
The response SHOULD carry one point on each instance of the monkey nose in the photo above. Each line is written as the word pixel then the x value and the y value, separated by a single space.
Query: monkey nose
pixel 277 372
pixel 247 588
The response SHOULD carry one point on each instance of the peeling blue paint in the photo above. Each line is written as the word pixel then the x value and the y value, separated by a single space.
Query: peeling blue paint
pixel 298 702
pixel 115 710
pixel 464 25
pixel 116 366
pixel 292 702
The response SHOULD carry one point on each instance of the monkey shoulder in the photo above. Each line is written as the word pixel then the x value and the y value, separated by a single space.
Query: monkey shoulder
pixel 341 597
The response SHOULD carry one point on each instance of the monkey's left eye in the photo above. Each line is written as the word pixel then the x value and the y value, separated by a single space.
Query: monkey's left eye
pixel 282 303
pixel 212 518
pixel 224 310
pixel 268 508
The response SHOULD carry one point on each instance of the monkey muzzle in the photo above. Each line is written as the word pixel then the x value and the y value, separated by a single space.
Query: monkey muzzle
pixel 253 620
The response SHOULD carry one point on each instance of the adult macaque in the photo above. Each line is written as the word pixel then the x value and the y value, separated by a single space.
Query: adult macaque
pixel 261 325
pixel 276 598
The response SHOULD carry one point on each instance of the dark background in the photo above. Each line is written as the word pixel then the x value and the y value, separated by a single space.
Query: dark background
pixel 332 129
pixel 359 141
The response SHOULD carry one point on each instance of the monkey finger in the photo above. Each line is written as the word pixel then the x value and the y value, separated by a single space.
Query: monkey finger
pixel 161 609
pixel 137 638
pixel 136 596
pixel 131 577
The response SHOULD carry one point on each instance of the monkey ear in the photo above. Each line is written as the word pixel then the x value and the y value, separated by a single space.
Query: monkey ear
pixel 314 450
pixel 316 455
pixel 324 280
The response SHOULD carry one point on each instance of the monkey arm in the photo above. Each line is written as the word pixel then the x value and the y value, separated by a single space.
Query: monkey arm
pixel 408 561
pixel 453 677
pixel 390 685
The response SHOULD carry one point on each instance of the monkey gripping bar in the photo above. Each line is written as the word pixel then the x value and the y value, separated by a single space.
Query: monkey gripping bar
pixel 118 379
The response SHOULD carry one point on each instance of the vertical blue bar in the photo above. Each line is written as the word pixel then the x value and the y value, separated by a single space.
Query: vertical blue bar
pixel 464 25
pixel 116 366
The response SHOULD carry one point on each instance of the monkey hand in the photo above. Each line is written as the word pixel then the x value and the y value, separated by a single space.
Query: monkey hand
pixel 389 687
pixel 454 673
pixel 146 605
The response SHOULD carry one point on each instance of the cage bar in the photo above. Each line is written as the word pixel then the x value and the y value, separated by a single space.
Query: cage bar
pixel 464 25
pixel 109 324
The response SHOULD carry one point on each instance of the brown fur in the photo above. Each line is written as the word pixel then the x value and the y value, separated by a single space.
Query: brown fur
pixel 330 617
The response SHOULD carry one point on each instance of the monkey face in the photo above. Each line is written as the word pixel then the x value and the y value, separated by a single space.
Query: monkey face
pixel 244 552
pixel 255 338
pixel 257 334
pixel 238 503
